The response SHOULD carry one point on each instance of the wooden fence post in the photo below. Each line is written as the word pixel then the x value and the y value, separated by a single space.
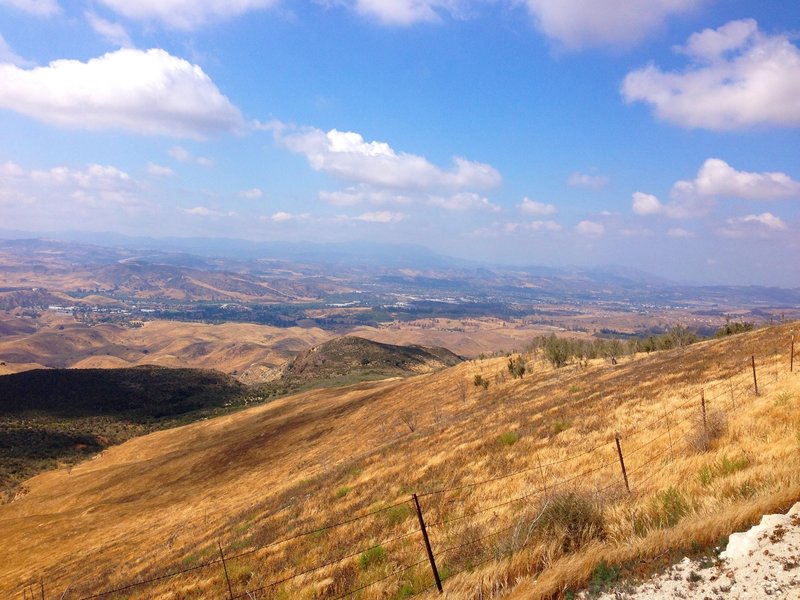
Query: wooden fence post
pixel 791 355
pixel 432 560
pixel 622 463
pixel 755 380
pixel 225 568
pixel 703 407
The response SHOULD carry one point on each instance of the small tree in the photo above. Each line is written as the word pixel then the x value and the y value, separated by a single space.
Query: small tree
pixel 479 381
pixel 516 366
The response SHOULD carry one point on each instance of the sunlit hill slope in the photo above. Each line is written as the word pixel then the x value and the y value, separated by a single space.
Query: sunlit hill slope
pixel 520 483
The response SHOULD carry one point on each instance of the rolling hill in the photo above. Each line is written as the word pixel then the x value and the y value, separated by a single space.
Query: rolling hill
pixel 52 417
pixel 309 496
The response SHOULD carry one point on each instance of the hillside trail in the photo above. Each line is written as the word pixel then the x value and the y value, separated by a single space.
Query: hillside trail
pixel 762 562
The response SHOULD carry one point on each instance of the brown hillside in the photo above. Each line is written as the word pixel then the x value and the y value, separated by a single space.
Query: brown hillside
pixel 504 477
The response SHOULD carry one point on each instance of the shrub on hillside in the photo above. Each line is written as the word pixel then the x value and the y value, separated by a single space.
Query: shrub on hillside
pixel 571 518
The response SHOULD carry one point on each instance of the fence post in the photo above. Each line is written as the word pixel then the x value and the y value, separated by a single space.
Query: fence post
pixel 436 577
pixel 41 586
pixel 791 355
pixel 622 463
pixel 703 406
pixel 755 380
pixel 225 568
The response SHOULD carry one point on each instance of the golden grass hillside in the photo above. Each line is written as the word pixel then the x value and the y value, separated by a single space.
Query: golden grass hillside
pixel 520 483
pixel 248 351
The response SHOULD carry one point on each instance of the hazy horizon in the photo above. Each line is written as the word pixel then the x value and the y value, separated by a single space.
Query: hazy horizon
pixel 661 136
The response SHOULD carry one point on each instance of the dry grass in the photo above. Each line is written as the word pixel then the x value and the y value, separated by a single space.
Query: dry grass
pixel 163 501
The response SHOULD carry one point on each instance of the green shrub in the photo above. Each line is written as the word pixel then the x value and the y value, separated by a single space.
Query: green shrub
pixel 398 514
pixel 370 557
pixel 603 577
pixel 343 491
pixel 516 366
pixel 479 381
pixel 509 438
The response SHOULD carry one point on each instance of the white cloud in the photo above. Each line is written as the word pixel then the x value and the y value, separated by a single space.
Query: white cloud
pixel 739 77
pixel 763 225
pixel 113 33
pixel 646 204
pixel 62 197
pixel 251 194
pixel 184 14
pixel 679 232
pixel 683 204
pixel 181 154
pixel 7 55
pixel 355 195
pixel 463 201
pixel 37 8
pixel 382 216
pixel 404 12
pixel 578 23
pixel 592 182
pixel 543 226
pixel 718 178
pixel 149 92
pixel 347 156
pixel 204 211
pixel 590 228
pixel 281 216
pixel 159 170
pixel 535 208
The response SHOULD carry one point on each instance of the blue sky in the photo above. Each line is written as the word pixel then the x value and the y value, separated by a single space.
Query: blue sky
pixel 658 134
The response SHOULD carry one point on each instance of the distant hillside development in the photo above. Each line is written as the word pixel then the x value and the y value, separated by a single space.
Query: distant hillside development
pixel 519 480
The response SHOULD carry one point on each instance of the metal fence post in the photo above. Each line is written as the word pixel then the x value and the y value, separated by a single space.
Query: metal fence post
pixel 431 559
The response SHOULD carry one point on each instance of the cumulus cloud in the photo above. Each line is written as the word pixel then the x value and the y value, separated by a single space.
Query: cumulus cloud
pixel 683 204
pixel 113 33
pixel 718 178
pixel 535 208
pixel 590 228
pixel 548 225
pixel 149 92
pixel 204 211
pixel 355 195
pixel 346 155
pixel 251 194
pixel 37 8
pixel 63 196
pixel 159 170
pixel 577 24
pixel 184 14
pixel 381 216
pixel 463 201
pixel 646 204
pixel 584 180
pixel 738 77
pixel 763 225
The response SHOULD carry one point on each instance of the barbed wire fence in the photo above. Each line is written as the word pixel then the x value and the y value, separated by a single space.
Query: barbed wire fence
pixel 622 466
